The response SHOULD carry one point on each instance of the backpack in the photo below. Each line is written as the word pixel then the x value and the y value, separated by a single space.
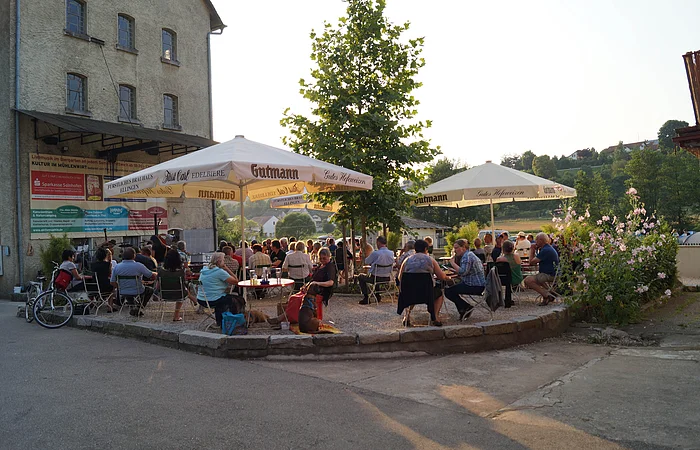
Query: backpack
pixel 62 280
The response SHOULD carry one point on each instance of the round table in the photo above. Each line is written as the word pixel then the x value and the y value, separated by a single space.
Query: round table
pixel 284 282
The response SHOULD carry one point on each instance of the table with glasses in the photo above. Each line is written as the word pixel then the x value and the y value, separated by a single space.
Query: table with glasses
pixel 273 283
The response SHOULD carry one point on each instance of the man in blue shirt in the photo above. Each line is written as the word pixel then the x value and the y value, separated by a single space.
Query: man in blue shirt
pixel 544 254
pixel 471 270
pixel 380 257
pixel 133 288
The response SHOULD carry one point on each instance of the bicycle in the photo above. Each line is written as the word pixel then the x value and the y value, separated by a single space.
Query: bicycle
pixel 53 308
pixel 33 290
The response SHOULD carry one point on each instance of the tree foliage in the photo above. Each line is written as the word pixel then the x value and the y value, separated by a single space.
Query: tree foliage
pixel 469 231
pixel 544 167
pixel 668 131
pixel 230 230
pixel 53 252
pixel 364 110
pixel 295 224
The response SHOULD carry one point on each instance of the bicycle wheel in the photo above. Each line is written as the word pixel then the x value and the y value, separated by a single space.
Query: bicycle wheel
pixel 53 309
pixel 32 294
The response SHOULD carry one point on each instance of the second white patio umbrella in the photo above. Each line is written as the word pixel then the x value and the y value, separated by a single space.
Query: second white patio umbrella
pixel 488 184
pixel 302 201
pixel 236 170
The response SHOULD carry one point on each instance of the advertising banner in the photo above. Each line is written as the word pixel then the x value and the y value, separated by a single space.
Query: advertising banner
pixel 67 197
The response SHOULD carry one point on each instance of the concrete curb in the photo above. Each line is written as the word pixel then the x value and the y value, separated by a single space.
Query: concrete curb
pixel 476 337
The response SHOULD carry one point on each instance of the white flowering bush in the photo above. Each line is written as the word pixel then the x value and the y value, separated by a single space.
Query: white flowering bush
pixel 615 264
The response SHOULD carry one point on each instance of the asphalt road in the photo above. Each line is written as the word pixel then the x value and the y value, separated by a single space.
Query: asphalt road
pixel 71 389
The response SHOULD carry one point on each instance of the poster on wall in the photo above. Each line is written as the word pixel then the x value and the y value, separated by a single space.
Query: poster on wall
pixel 67 197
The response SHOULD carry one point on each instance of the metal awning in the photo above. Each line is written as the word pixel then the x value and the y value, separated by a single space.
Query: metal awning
pixel 115 138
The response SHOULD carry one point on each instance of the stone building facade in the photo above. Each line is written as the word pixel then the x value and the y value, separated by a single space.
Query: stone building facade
pixel 112 82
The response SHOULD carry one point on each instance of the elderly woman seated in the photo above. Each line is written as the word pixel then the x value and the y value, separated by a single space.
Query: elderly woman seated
pixel 320 288
pixel 215 281
pixel 417 284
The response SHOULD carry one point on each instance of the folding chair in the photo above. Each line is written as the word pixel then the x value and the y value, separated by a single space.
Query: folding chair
pixel 131 282
pixel 208 311
pixel 379 287
pixel 552 285
pixel 480 300
pixel 94 293
pixel 172 289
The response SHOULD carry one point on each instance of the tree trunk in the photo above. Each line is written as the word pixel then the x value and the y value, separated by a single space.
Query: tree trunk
pixel 345 255
pixel 352 243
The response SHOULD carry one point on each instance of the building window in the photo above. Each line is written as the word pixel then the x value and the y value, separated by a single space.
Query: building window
pixel 169 45
pixel 170 112
pixel 126 31
pixel 75 17
pixel 76 89
pixel 127 102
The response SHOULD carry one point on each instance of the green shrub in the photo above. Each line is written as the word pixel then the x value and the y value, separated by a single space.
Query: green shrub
pixel 616 265
pixel 53 252
pixel 469 231
pixel 393 240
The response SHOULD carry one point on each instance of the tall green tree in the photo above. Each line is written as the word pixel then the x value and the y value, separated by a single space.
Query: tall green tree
pixel 643 170
pixel 364 110
pixel 668 131
pixel 526 160
pixel 544 167
pixel 679 192
pixel 584 191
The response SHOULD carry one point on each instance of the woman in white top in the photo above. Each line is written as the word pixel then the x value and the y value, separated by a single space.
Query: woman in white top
pixel 302 274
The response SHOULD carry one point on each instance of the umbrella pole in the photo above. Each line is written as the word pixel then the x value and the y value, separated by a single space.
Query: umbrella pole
pixel 493 226
pixel 240 193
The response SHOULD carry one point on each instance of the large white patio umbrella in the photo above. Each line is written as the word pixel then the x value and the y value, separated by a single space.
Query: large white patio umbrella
pixel 488 184
pixel 236 170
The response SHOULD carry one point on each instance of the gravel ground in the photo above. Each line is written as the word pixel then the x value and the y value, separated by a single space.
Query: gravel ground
pixel 344 313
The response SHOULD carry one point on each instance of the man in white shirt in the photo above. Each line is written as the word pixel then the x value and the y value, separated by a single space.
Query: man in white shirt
pixel 380 257
pixel 299 266
pixel 522 244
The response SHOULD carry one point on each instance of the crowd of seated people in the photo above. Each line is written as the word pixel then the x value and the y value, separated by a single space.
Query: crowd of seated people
pixel 300 260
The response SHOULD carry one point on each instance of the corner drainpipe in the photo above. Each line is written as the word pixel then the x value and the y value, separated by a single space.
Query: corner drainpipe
pixel 20 237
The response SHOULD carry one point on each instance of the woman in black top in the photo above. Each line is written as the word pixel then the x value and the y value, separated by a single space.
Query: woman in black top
pixel 102 271
pixel 339 261
pixel 172 267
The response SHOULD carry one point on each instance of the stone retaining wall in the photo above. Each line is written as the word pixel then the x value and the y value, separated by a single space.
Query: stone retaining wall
pixel 431 340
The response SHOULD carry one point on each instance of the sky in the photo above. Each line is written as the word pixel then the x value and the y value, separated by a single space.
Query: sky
pixel 500 77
